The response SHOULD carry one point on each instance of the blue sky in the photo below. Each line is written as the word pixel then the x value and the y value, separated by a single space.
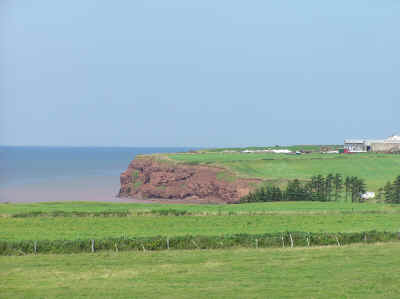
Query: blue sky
pixel 198 73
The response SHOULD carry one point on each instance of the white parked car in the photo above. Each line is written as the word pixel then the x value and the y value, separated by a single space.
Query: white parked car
pixel 368 195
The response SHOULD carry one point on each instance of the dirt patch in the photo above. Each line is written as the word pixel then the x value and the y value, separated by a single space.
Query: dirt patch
pixel 146 177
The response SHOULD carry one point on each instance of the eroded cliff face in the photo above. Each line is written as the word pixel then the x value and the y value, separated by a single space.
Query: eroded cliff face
pixel 147 177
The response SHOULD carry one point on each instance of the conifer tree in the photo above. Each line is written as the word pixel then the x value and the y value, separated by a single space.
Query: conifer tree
pixel 388 192
pixel 329 186
pixel 338 186
pixel 321 188
pixel 357 187
pixel 396 190
pixel 347 184
pixel 380 197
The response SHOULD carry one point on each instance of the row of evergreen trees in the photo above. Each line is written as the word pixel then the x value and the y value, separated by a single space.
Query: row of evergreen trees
pixel 391 192
pixel 320 188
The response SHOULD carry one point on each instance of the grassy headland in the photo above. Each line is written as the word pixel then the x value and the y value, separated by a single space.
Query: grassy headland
pixel 375 169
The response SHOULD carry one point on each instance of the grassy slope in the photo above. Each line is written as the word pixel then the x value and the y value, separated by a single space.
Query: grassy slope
pixel 376 169
pixel 349 272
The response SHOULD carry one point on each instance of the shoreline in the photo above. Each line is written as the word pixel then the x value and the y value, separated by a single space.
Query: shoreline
pixel 109 200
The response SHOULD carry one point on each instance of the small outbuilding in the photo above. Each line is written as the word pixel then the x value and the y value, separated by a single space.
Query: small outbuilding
pixel 355 146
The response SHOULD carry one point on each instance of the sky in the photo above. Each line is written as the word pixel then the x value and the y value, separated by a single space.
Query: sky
pixel 198 73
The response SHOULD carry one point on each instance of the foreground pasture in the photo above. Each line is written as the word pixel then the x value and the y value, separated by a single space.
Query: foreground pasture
pixel 358 271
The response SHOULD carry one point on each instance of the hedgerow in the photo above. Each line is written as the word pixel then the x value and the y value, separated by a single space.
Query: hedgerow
pixel 71 214
pixel 285 239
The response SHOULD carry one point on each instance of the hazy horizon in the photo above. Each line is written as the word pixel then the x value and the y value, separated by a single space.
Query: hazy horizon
pixel 153 147
pixel 197 74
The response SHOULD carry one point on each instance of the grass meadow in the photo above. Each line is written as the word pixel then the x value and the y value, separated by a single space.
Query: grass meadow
pixel 10 210
pixel 70 228
pixel 356 271
pixel 376 169
pixel 350 271
pixel 145 220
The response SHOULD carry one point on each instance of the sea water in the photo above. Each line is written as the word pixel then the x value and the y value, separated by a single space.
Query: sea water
pixel 34 174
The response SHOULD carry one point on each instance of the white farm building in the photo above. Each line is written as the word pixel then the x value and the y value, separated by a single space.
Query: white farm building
pixel 367 145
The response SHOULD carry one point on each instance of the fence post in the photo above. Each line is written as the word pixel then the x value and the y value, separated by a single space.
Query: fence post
pixel 116 247
pixel 92 245
pixel 308 240
pixel 291 240
pixel 283 241
pixel 365 237
pixel 35 247
pixel 168 243
pixel 256 243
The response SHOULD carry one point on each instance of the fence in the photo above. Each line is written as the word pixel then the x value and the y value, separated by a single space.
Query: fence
pixel 286 239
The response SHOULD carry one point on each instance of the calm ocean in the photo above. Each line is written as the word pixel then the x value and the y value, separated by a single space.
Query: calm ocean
pixel 65 173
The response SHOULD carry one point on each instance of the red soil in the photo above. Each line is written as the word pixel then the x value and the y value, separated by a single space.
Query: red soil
pixel 148 178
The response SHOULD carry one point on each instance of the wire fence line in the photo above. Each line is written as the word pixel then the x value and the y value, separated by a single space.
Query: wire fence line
pixel 124 243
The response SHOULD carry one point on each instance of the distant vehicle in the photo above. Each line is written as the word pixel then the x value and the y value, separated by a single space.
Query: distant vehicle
pixel 368 195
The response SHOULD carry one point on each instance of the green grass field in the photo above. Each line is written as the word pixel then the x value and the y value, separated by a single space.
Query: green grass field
pixel 7 210
pixel 355 271
pixel 60 228
pixel 376 169
pixel 206 220
pixel 368 271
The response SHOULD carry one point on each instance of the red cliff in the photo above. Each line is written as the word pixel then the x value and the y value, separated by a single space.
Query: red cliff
pixel 147 177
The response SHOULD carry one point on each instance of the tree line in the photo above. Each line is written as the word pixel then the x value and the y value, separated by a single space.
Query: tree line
pixel 319 188
pixel 391 192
